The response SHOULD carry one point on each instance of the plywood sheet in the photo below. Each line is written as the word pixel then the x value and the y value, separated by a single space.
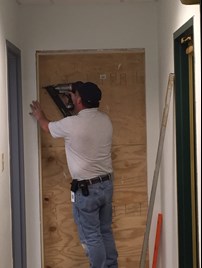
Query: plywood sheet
pixel 121 76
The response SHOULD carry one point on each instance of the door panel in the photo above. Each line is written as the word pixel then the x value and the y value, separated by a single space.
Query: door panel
pixel 186 147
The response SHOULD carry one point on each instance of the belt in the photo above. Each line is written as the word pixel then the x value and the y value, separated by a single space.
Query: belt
pixel 96 179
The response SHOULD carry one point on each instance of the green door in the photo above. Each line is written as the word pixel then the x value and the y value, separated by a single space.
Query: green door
pixel 186 147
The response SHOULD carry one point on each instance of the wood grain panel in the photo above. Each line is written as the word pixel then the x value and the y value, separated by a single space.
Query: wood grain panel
pixel 121 76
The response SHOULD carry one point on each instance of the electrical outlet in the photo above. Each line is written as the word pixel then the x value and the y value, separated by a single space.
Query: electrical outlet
pixel 2 162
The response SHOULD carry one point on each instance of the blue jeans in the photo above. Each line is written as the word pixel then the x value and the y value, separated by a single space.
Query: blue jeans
pixel 93 216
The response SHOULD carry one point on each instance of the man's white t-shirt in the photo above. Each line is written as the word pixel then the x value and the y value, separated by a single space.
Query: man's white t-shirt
pixel 88 141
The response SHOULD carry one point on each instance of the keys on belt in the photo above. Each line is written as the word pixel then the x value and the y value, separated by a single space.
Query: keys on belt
pixel 96 179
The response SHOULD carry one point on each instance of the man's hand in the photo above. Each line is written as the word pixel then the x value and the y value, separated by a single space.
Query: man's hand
pixel 39 115
pixel 36 110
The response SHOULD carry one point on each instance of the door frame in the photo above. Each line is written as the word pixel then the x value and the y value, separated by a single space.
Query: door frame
pixel 44 198
pixel 16 155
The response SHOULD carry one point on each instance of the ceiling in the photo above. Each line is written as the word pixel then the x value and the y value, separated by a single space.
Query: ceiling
pixel 52 2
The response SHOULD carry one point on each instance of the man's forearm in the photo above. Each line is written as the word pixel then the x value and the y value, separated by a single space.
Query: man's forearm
pixel 43 122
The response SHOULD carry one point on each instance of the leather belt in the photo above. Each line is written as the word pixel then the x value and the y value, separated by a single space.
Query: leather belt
pixel 96 179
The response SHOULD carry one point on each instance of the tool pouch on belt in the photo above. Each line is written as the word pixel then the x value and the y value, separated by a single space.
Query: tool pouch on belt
pixel 83 185
pixel 74 186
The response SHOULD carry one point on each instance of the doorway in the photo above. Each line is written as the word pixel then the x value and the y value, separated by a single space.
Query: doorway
pixel 186 147
pixel 121 76
pixel 16 156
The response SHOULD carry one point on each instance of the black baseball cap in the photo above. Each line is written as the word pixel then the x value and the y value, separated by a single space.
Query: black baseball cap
pixel 76 85
pixel 90 93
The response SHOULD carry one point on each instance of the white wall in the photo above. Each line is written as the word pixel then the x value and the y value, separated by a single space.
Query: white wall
pixel 86 26
pixel 8 30
pixel 172 15
pixel 101 26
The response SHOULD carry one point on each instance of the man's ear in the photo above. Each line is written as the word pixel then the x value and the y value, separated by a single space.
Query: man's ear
pixel 79 100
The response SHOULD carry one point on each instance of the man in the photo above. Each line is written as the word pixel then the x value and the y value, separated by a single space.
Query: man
pixel 88 140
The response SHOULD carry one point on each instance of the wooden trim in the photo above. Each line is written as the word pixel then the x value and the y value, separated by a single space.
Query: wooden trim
pixel 91 51
pixel 40 171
